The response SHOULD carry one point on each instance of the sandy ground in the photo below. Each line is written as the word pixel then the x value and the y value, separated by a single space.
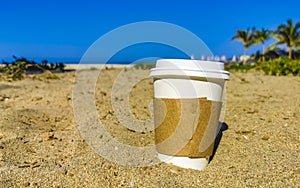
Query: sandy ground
pixel 41 146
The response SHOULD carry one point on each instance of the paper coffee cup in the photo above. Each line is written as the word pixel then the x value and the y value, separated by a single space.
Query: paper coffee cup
pixel 187 105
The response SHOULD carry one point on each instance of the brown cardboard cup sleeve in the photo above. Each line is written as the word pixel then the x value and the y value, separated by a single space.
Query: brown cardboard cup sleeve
pixel 186 127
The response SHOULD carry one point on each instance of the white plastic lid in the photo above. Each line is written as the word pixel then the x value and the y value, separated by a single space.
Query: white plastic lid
pixel 188 67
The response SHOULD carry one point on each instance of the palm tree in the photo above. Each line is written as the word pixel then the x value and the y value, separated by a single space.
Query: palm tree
pixel 289 35
pixel 246 38
pixel 261 37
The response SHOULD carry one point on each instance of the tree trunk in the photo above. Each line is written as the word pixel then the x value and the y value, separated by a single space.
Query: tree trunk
pixel 263 52
pixel 244 58
pixel 290 52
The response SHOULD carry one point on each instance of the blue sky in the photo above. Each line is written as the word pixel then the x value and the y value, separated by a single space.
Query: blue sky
pixel 63 30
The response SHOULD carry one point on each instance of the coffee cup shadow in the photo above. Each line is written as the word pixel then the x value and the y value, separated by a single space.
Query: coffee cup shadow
pixel 223 128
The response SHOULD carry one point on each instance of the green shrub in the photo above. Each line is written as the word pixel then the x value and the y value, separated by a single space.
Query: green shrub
pixel 281 66
pixel 17 69
pixel 240 67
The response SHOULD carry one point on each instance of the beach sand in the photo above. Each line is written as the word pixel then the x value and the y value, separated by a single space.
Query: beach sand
pixel 41 146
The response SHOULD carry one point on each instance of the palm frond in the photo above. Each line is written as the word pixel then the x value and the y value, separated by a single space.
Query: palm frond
pixel 297 26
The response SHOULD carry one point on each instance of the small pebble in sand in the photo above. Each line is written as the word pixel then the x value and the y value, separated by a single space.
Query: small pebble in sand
pixel 266 137
pixel 1 136
pixel 49 136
